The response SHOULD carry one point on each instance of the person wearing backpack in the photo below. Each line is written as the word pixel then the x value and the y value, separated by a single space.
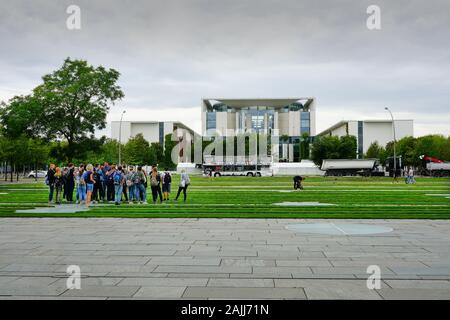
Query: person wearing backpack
pixel 50 181
pixel 167 181
pixel 129 181
pixel 140 180
pixel 185 181
pixel 81 185
pixel 118 180
pixel 155 183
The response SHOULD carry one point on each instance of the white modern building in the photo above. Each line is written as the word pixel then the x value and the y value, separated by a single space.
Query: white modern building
pixel 289 118
pixel 369 131
pixel 154 132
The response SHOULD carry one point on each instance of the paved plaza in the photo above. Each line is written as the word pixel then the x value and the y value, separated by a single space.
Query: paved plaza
pixel 221 259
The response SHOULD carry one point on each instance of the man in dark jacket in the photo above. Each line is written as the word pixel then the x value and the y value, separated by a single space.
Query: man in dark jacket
pixel 69 185
pixel 51 182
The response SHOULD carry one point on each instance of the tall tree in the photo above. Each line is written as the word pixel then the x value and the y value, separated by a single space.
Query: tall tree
pixel 71 103
pixel 137 151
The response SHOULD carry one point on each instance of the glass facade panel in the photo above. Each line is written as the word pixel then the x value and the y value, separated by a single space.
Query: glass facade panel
pixel 305 123
pixel 210 120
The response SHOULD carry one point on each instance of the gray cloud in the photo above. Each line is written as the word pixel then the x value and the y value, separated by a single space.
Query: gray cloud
pixel 172 53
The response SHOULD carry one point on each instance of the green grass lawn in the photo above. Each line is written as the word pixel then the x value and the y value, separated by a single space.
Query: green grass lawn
pixel 243 197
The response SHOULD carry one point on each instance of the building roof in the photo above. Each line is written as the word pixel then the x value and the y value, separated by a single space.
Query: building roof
pixel 344 122
pixel 236 103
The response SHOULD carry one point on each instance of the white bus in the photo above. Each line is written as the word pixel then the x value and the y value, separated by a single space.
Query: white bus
pixel 215 170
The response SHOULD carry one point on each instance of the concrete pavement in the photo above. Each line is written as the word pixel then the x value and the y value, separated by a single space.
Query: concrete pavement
pixel 220 259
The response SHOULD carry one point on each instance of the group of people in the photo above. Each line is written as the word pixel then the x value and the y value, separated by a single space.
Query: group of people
pixel 111 183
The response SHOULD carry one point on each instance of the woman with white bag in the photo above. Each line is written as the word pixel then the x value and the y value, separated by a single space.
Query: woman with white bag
pixel 184 183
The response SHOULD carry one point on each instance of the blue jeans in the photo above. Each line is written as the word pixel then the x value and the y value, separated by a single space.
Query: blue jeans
pixel 51 189
pixel 132 192
pixel 140 188
pixel 81 192
pixel 118 193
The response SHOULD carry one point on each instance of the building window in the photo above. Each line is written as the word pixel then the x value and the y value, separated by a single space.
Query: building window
pixel 210 120
pixel 360 139
pixel 161 133
pixel 305 123
pixel 257 122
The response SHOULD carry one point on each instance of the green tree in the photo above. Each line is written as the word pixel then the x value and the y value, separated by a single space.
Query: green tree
pixel 71 103
pixel 332 147
pixel 168 147
pixel 137 151
pixel 156 153
pixel 376 151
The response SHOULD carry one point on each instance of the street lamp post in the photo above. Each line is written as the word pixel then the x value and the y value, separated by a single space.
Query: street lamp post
pixel 120 138
pixel 395 140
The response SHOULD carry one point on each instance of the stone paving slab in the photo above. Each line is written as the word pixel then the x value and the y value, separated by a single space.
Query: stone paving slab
pixel 220 259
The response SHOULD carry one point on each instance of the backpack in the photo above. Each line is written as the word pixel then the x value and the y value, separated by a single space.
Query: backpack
pixel 110 178
pixel 188 180
pixel 167 178
pixel 117 178
pixel 82 181
pixel 154 181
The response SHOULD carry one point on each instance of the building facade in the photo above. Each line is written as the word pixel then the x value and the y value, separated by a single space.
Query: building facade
pixel 154 132
pixel 369 131
pixel 291 119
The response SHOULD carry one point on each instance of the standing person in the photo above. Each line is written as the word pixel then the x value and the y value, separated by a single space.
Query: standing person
pixel 140 181
pixel 70 183
pixel 118 179
pixel 58 185
pixel 110 184
pixel 101 179
pixel 130 182
pixel 105 169
pixel 89 179
pixel 185 181
pixel 167 181
pixel 81 185
pixel 125 187
pixel 411 175
pixel 155 183
pixel 97 184
pixel 50 181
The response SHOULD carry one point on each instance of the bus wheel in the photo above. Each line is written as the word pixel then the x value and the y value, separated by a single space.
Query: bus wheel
pixel 249 174
pixel 216 174
pixel 258 174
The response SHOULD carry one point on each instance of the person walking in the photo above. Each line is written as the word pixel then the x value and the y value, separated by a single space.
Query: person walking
pixel 88 177
pixel 140 182
pixel 167 181
pixel 185 181
pixel 298 180
pixel 69 185
pixel 155 183
pixel 50 181
pixel 58 185
pixel 119 180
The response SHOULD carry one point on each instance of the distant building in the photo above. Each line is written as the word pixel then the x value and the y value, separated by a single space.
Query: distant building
pixel 369 131
pixel 289 118
pixel 153 131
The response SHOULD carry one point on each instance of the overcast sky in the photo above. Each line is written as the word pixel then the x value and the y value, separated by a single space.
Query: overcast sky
pixel 172 53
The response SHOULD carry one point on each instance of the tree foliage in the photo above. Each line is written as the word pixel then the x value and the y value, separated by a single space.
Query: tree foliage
pixel 332 147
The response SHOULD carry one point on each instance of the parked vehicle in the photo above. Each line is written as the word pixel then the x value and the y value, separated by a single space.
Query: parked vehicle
pixel 435 167
pixel 351 167
pixel 236 170
pixel 40 174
